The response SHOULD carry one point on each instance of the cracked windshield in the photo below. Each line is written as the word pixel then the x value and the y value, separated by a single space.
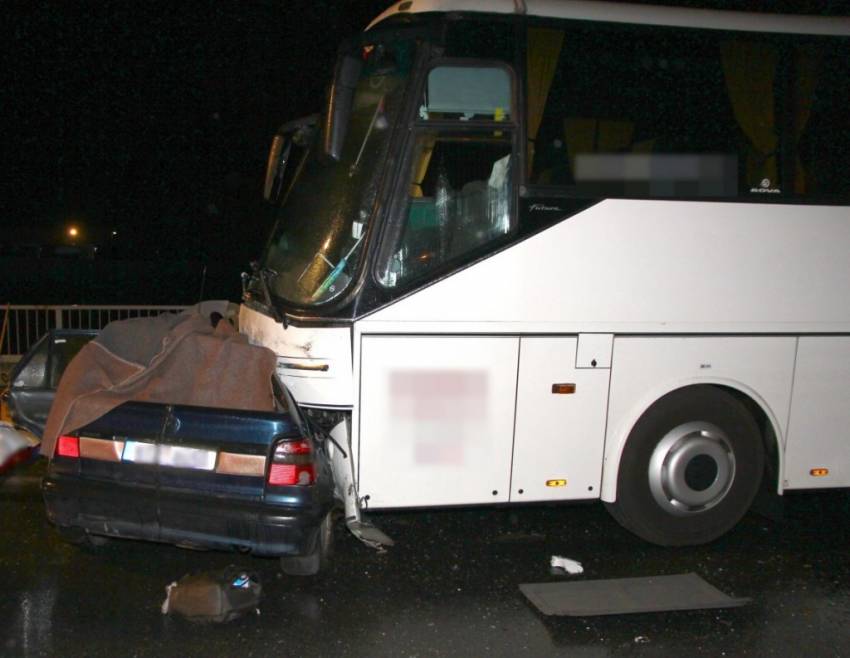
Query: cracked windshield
pixel 322 222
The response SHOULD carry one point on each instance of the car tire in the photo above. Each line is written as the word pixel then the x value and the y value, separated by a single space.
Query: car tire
pixel 690 468
pixel 315 561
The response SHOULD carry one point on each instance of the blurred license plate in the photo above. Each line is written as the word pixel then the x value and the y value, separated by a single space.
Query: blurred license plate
pixel 141 452
pixel 181 457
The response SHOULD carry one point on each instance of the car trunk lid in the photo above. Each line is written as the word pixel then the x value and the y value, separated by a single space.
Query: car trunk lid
pixel 209 456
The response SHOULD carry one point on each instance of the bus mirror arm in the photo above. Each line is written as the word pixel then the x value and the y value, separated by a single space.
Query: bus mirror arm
pixel 299 132
pixel 276 166
pixel 339 106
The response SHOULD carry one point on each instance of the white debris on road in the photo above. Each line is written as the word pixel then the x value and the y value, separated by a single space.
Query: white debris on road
pixel 570 566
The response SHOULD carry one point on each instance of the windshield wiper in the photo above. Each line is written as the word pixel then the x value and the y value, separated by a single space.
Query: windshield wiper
pixel 379 111
pixel 335 272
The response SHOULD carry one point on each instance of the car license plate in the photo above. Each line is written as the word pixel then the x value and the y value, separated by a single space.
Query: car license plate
pixel 140 452
pixel 182 457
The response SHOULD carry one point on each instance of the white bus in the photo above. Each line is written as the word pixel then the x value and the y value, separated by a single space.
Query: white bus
pixel 543 250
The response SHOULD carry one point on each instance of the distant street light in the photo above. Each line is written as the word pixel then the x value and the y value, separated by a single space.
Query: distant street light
pixel 73 232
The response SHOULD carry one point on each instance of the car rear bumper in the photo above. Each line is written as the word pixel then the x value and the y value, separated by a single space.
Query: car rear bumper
pixel 133 512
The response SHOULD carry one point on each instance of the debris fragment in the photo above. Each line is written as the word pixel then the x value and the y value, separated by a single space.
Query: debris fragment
pixel 619 596
pixel 570 566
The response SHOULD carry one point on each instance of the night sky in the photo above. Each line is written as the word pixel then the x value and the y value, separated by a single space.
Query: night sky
pixel 153 120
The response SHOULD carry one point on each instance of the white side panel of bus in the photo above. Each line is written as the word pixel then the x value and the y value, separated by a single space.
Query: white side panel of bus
pixel 646 368
pixel 436 419
pixel 635 266
pixel 559 436
pixel 819 428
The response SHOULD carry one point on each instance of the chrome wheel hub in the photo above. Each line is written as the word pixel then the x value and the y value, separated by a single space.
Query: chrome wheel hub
pixel 691 468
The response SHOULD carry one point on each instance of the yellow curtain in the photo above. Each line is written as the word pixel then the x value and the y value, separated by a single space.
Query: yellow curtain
pixel 750 70
pixel 808 60
pixel 420 165
pixel 544 50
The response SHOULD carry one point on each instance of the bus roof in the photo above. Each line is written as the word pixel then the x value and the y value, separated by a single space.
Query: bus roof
pixel 621 12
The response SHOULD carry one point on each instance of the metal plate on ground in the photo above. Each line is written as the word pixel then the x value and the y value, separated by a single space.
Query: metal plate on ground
pixel 621 596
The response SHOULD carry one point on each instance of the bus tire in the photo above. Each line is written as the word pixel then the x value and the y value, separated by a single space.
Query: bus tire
pixel 690 468
pixel 317 559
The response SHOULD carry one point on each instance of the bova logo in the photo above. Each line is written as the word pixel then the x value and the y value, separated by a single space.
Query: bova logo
pixel 765 188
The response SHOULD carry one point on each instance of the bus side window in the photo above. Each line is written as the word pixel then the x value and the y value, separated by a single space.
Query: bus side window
pixel 821 125
pixel 459 200
pixel 460 187
pixel 648 118
pixel 686 113
pixel 466 93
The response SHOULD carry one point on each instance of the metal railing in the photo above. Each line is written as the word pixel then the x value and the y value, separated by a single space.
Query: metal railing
pixel 22 326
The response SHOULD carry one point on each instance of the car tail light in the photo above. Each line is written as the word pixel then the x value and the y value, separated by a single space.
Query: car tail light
pixel 292 463
pixel 68 446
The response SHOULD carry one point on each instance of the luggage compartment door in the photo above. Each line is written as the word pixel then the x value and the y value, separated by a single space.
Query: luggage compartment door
pixel 560 422
pixel 436 419
pixel 817 453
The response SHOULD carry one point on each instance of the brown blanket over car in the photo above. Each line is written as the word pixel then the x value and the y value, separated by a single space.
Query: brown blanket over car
pixel 171 359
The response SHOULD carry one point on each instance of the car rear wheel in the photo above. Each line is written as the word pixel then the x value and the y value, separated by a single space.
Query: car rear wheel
pixel 311 564
pixel 690 469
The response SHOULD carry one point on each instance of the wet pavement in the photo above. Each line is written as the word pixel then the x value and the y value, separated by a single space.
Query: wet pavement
pixel 449 587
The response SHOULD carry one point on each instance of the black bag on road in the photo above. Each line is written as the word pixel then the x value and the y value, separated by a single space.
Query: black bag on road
pixel 214 596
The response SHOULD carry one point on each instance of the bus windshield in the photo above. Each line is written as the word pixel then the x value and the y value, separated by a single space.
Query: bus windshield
pixel 322 222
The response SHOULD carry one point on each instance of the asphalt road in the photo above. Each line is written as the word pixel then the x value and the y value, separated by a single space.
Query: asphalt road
pixel 448 588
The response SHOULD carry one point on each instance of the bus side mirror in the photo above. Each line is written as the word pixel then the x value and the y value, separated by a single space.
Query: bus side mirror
pixel 339 107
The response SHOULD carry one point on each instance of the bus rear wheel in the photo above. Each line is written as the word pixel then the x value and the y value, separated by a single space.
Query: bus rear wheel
pixel 690 469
